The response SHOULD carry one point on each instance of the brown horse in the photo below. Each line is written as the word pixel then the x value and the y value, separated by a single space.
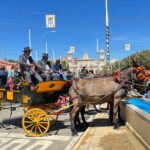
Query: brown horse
pixel 98 91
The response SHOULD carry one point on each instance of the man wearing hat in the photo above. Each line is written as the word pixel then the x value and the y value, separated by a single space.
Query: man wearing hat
pixel 27 66
pixel 46 71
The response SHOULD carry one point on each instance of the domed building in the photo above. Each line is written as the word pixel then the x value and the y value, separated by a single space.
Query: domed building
pixel 75 65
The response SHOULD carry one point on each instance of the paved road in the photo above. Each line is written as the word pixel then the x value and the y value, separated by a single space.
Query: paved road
pixel 13 137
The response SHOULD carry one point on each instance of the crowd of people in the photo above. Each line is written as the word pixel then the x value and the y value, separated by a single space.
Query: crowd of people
pixel 33 72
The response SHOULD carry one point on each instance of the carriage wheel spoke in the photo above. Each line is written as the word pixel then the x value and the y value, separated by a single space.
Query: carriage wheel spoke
pixel 29 126
pixel 43 122
pixel 42 126
pixel 31 114
pixel 40 129
pixel 29 118
pixel 28 122
pixel 40 114
pixel 40 119
pixel 32 128
pixel 35 129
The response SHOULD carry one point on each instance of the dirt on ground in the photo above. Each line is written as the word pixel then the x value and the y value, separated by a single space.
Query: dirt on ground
pixel 102 136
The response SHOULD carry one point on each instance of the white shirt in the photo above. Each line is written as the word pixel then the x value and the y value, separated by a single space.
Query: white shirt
pixel 47 67
pixel 28 62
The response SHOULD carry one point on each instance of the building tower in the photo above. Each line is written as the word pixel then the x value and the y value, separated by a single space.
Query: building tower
pixel 101 56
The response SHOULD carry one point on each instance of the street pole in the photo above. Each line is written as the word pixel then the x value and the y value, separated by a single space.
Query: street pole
pixel 29 39
pixel 44 34
pixel 53 56
pixel 97 54
pixel 36 57
pixel 46 50
pixel 107 38
pixel 97 49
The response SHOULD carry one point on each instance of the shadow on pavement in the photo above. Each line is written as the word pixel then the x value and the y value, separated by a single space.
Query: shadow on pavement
pixel 101 122
pixel 17 122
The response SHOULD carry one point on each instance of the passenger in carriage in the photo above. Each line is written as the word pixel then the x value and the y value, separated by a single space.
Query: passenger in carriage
pixel 13 74
pixel 14 71
pixel 91 74
pixel 45 70
pixel 27 66
pixel 3 76
pixel 58 72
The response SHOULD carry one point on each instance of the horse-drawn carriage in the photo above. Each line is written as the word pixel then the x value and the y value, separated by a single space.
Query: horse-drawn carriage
pixel 41 107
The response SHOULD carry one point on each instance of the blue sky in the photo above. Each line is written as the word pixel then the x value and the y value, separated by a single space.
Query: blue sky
pixel 78 23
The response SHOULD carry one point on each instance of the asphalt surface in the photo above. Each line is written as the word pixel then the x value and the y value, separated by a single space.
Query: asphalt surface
pixel 13 137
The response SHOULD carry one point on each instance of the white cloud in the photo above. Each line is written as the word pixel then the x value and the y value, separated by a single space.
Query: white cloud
pixel 113 60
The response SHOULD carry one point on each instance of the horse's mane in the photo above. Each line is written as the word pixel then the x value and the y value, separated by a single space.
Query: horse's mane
pixel 103 76
pixel 126 67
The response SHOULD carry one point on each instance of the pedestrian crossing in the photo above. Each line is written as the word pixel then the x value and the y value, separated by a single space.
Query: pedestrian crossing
pixel 17 141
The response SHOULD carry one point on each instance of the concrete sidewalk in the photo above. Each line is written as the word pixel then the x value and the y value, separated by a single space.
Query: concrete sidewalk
pixel 102 136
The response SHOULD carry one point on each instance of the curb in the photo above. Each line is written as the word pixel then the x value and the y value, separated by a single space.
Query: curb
pixel 138 137
pixel 76 140
pixel 76 145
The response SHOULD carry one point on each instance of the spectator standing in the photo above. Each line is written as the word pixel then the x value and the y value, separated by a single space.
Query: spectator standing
pixel 83 72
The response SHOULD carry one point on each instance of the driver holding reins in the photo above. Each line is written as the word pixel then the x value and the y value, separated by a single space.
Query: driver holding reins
pixel 27 66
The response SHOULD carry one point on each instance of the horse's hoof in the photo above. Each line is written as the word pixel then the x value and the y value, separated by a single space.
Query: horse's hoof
pixel 116 126
pixel 75 134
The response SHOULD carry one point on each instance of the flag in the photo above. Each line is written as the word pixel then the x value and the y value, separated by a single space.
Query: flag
pixel 50 21
pixel 127 47
pixel 72 49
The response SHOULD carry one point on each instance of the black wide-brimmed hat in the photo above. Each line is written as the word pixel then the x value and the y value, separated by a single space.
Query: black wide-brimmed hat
pixel 45 55
pixel 27 49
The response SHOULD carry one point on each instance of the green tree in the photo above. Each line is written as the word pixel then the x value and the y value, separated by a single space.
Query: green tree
pixel 12 60
pixel 65 65
pixel 142 57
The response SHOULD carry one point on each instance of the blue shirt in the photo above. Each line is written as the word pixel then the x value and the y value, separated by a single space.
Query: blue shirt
pixel 3 73
pixel 57 67
pixel 148 94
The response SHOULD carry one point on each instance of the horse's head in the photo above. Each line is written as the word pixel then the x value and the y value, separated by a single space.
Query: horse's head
pixel 128 74
pixel 135 75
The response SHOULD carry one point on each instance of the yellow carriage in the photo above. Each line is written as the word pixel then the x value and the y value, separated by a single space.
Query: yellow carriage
pixel 40 109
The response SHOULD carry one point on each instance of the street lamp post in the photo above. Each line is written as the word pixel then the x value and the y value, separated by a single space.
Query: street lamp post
pixel 43 38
